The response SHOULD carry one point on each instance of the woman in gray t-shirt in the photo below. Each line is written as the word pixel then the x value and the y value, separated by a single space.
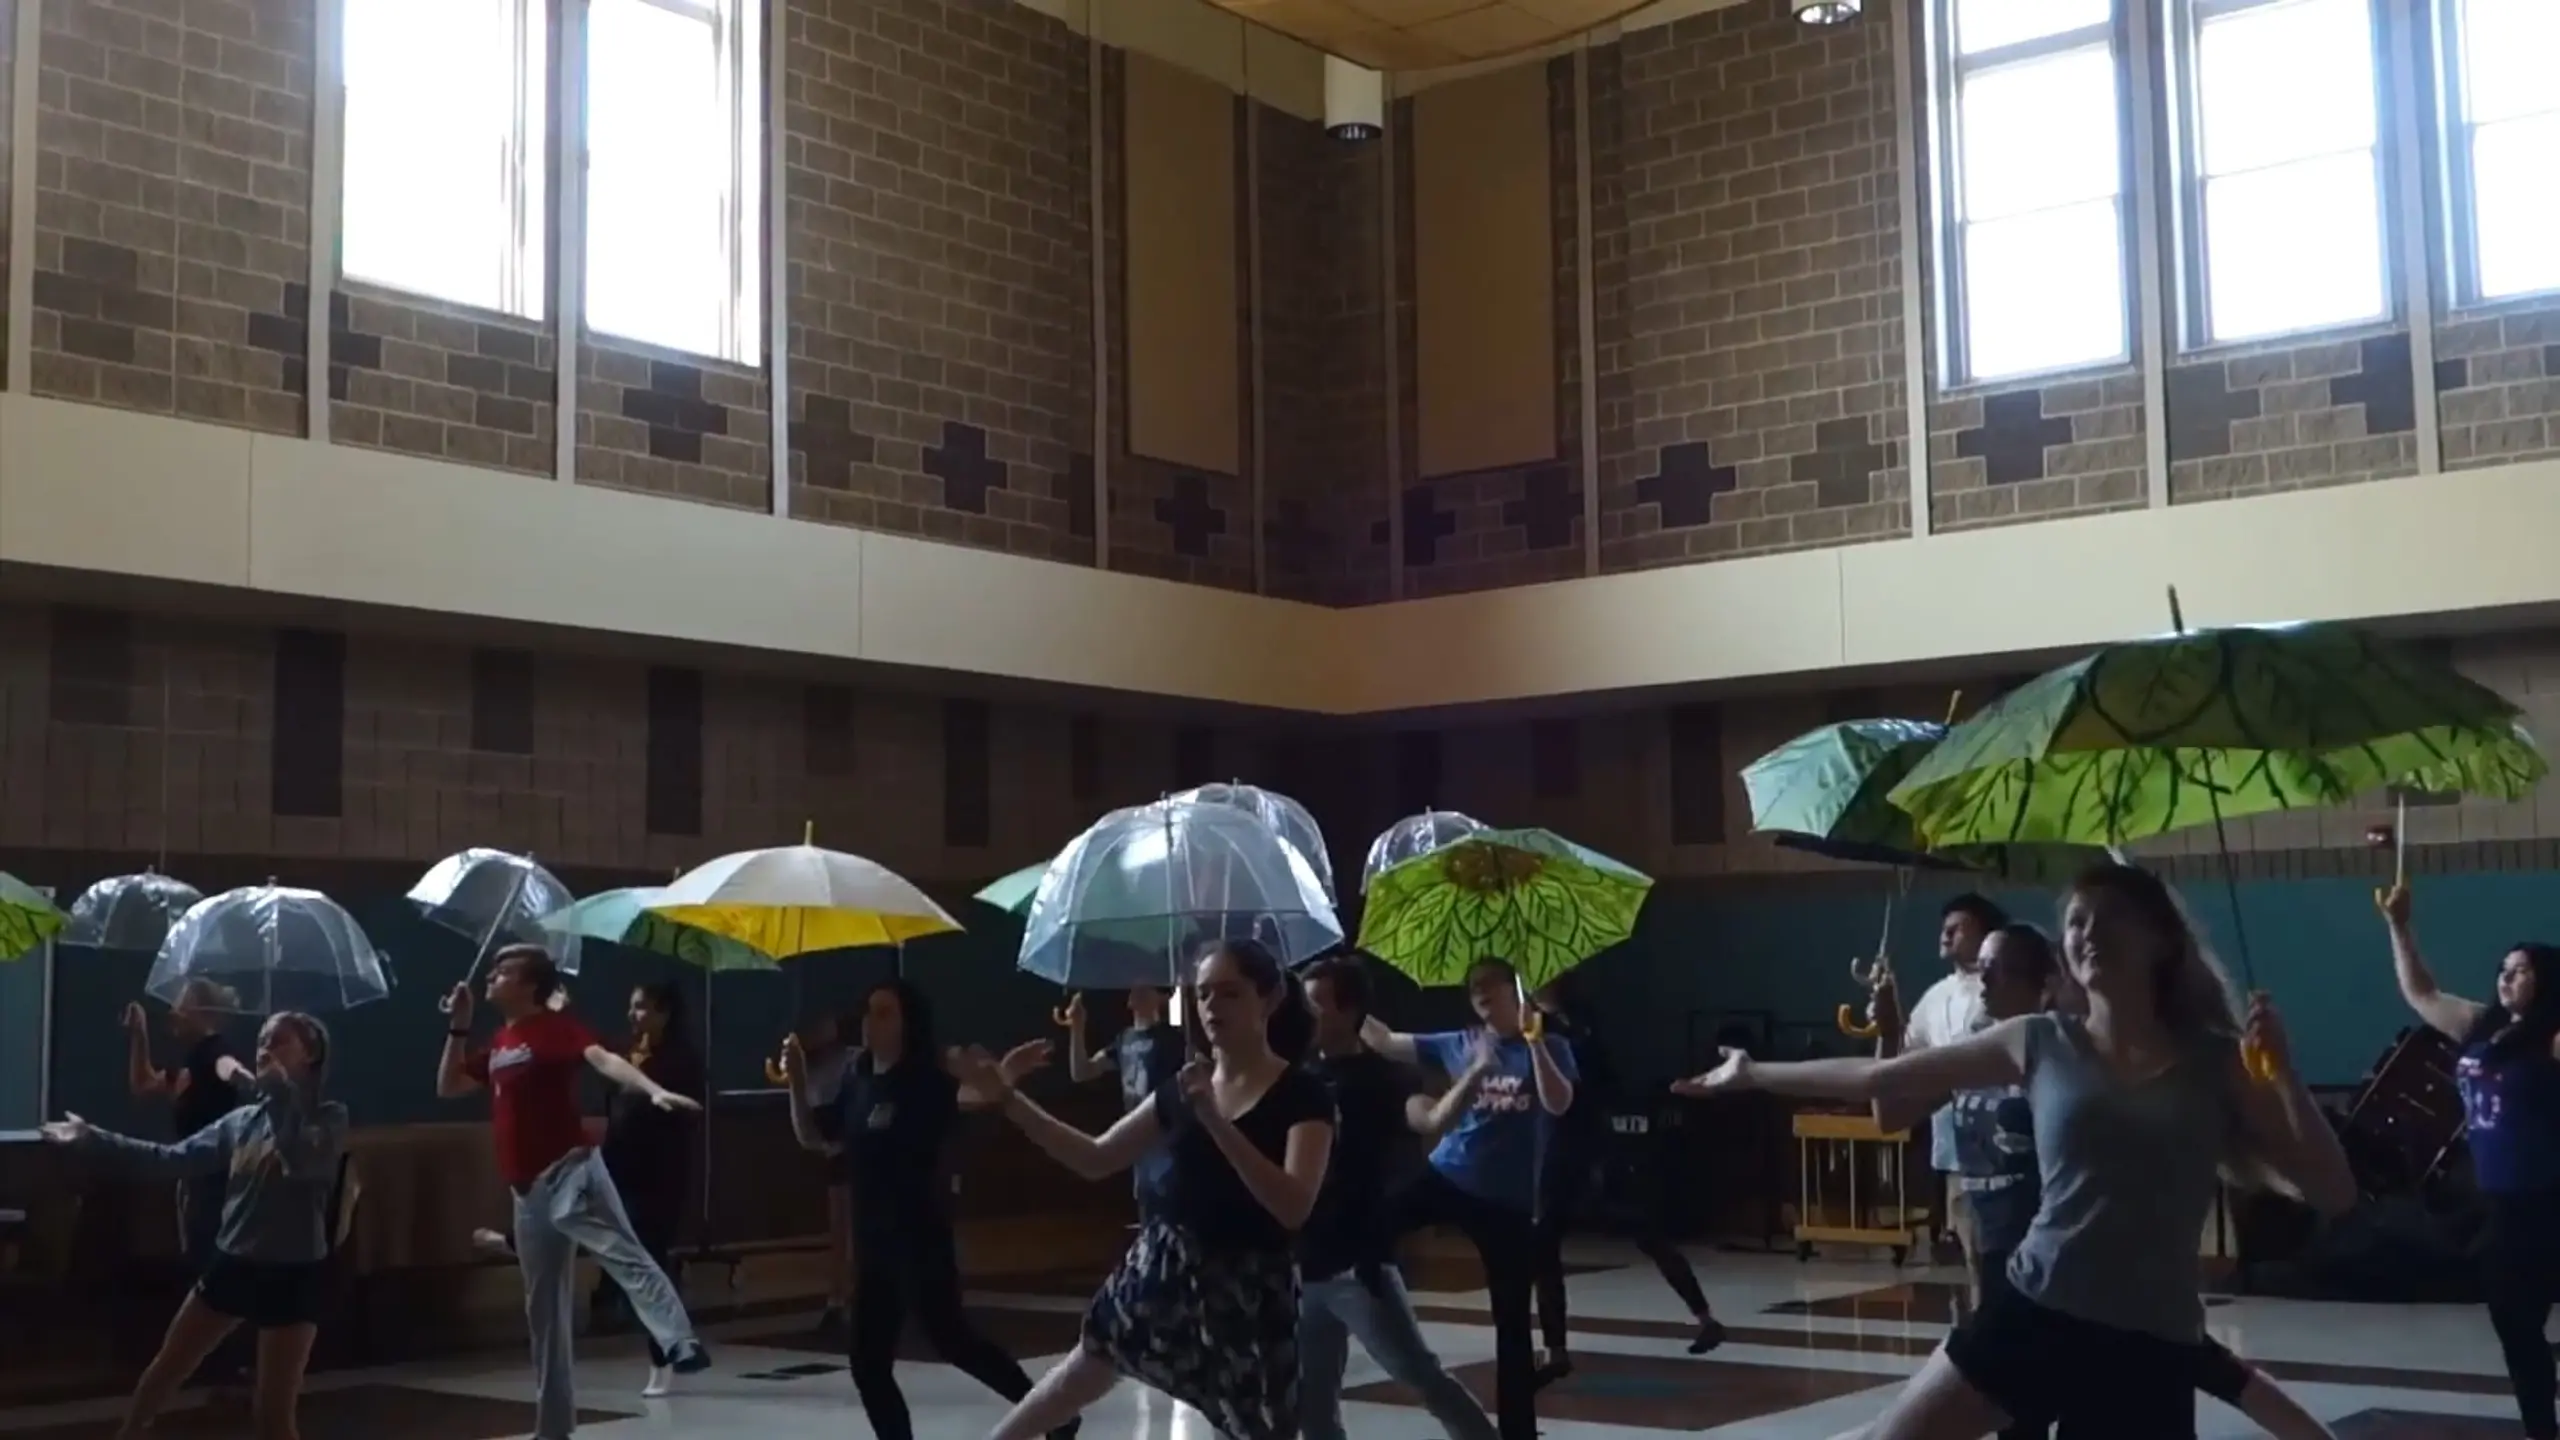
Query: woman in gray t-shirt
pixel 2136 1108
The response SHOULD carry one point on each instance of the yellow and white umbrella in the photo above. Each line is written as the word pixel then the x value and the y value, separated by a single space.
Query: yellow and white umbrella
pixel 796 899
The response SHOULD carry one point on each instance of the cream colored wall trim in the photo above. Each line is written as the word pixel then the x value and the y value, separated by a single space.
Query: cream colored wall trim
pixel 85 488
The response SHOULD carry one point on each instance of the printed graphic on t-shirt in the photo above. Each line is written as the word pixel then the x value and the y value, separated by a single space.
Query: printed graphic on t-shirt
pixel 1504 1094
pixel 507 1057
pixel 2480 1087
pixel 1995 1136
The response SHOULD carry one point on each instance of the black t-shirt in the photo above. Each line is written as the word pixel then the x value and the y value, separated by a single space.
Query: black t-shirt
pixel 1196 1188
pixel 208 1097
pixel 895 1123
pixel 644 1144
pixel 1372 1148
pixel 1146 1059
pixel 1596 1093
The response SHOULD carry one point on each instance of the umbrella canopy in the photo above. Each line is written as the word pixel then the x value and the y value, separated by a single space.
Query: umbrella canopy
pixel 1530 897
pixel 1415 835
pixel 27 918
pixel 623 917
pixel 1287 818
pixel 2158 735
pixel 265 948
pixel 796 899
pixel 1133 899
pixel 1825 793
pixel 494 898
pixel 1014 893
pixel 130 912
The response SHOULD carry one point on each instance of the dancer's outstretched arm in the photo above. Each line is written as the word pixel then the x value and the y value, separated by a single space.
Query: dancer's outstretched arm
pixel 1990 1058
pixel 1089 1157
pixel 2449 1015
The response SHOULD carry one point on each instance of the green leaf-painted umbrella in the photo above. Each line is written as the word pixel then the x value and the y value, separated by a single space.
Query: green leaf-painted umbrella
pixel 1014 893
pixel 623 917
pixel 1824 792
pixel 27 918
pixel 1530 897
pixel 2191 729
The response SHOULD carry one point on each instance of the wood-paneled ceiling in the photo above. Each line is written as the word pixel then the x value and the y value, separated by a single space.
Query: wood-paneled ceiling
pixel 1429 34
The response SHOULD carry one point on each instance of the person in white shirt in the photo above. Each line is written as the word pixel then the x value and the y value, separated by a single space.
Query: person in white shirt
pixel 1947 1012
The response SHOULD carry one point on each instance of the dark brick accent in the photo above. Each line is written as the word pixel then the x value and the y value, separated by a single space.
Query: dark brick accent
pixel 826 731
pixel 512 345
pixel 1842 464
pixel 89 667
pixel 961 463
pixel 2455 374
pixel 668 377
pixel 671 775
pixel 828 445
pixel 1555 758
pixel 110 266
pixel 1291 540
pixel 2385 386
pixel 2012 440
pixel 1684 484
pixel 968 774
pixel 2551 360
pixel 1425 526
pixel 684 446
pixel 497 412
pixel 1075 487
pixel 502 696
pixel 2202 406
pixel 659 410
pixel 1549 507
pixel 97 340
pixel 1189 515
pixel 307 756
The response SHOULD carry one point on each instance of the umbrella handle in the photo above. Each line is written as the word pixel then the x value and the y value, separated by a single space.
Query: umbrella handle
pixel 1063 1016
pixel 480 954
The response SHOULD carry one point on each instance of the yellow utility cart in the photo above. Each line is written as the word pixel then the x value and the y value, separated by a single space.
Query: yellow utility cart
pixel 1872 1166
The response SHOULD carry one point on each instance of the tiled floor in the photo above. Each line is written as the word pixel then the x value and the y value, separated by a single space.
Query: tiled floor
pixel 1814 1351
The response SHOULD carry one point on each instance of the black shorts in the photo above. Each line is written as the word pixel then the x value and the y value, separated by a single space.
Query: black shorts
pixel 2096 1382
pixel 263 1294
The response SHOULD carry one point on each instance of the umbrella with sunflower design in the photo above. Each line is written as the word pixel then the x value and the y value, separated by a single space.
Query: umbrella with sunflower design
pixel 1531 897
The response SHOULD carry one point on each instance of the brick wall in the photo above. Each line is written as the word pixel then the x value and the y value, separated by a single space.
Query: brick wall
pixel 675 425
pixel 1763 308
pixel 940 259
pixel 2498 381
pixel 173 178
pixel 2291 417
pixel 2006 453
pixel 447 382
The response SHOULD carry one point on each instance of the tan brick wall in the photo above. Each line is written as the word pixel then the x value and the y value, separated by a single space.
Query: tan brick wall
pixel 2498 383
pixel 2295 416
pixel 447 382
pixel 675 425
pixel 2004 454
pixel 940 259
pixel 1763 303
pixel 173 179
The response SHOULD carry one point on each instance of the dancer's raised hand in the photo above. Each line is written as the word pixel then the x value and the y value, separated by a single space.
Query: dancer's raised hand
pixel 136 1022
pixel 457 1006
pixel 1733 1074
pixel 1023 1059
pixel 2395 904
pixel 1196 1082
pixel 69 1130
pixel 972 1066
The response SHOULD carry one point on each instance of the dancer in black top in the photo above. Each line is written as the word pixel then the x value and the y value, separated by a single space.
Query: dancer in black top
pixel 2509 1074
pixel 898 1104
pixel 1575 1160
pixel 1204 1307
pixel 1145 1055
pixel 650 1151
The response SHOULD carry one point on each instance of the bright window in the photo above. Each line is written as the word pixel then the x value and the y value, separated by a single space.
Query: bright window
pixel 443 192
pixel 675 161
pixel 2032 158
pixel 2284 168
pixel 2507 131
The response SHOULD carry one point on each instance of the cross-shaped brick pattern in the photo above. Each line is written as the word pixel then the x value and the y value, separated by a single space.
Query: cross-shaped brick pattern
pixel 2202 406
pixel 828 445
pixel 1685 483
pixel 1424 525
pixel 1076 488
pixel 1292 540
pixel 1188 514
pixel 961 463
pixel 2384 385
pixel 1549 506
pixel 671 405
pixel 1843 463
pixel 2012 438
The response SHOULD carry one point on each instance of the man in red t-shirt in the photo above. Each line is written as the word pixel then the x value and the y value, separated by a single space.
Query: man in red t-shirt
pixel 564 1200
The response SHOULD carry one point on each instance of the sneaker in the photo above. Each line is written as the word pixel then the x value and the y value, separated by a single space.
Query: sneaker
pixel 660 1382
pixel 689 1358
pixel 493 1244
pixel 1710 1335
pixel 1558 1365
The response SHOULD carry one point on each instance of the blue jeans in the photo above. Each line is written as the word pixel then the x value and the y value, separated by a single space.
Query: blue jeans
pixel 574 1207
pixel 1377 1311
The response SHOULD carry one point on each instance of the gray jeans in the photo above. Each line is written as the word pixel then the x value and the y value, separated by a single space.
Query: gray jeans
pixel 1379 1313
pixel 574 1207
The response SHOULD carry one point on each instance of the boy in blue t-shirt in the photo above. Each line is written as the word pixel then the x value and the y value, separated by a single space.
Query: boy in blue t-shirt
pixel 1483 1178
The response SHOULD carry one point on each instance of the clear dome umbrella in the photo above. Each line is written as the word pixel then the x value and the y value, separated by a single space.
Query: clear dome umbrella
pixel 1412 836
pixel 1287 818
pixel 265 948
pixel 130 912
pixel 1134 899
pixel 495 899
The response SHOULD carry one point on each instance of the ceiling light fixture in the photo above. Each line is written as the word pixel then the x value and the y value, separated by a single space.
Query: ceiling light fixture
pixel 1355 100
pixel 1828 12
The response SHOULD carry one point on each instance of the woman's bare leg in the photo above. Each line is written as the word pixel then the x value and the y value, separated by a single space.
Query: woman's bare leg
pixel 193 1332
pixel 2277 1413
pixel 1062 1395
pixel 1938 1404
pixel 283 1354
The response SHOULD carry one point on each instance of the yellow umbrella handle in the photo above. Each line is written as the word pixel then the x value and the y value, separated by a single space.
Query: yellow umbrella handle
pixel 1533 1025
pixel 1850 1026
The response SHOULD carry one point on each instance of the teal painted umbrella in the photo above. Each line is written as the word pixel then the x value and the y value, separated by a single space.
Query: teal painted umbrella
pixel 1826 793
pixel 1014 893
pixel 624 917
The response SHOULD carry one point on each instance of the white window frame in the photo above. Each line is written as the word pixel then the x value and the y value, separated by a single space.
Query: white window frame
pixel 1948 72
pixel 2459 135
pixel 524 273
pixel 2185 20
pixel 739 47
